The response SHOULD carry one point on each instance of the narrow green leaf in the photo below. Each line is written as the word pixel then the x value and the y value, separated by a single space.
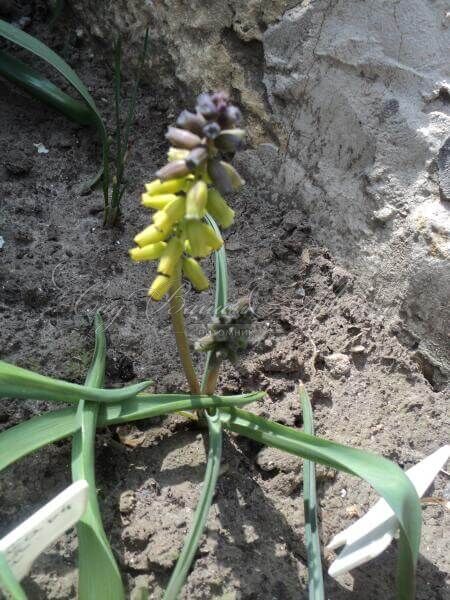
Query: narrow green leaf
pixel 201 514
pixel 221 294
pixel 385 477
pixel 98 575
pixel 315 575
pixel 16 382
pixel 41 88
pixel 221 291
pixel 28 436
pixel 118 187
pixel 146 406
pixel 28 42
pixel 8 583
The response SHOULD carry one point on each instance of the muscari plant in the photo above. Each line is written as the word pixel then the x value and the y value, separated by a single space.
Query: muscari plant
pixel 188 199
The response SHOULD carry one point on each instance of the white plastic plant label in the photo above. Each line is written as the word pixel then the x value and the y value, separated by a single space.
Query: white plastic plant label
pixel 373 532
pixel 24 544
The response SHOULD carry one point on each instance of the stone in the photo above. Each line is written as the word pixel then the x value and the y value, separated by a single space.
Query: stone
pixel 349 102
pixel 339 364
pixel 383 215
pixel 127 501
pixel 443 164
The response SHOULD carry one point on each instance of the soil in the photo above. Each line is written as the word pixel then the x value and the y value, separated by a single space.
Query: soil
pixel 59 265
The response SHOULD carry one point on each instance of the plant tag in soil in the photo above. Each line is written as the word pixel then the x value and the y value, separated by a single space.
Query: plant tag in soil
pixel 22 545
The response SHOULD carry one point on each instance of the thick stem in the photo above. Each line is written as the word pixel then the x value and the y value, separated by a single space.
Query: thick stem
pixel 210 382
pixel 179 329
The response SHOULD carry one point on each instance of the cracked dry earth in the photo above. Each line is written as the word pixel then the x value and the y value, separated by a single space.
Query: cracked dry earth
pixel 315 323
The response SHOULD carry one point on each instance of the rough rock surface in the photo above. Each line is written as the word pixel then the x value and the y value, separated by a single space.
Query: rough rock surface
pixel 354 96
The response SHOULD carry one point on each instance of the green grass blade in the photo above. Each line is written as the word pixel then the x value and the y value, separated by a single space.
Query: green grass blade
pixel 28 436
pixel 201 514
pixel 385 477
pixel 8 583
pixel 28 42
pixel 132 104
pixel 16 382
pixel 41 88
pixel 315 575
pixel 98 575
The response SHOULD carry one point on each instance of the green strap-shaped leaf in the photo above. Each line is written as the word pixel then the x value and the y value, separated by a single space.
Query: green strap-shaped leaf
pixel 8 583
pixel 201 514
pixel 315 576
pixel 30 43
pixel 41 88
pixel 16 382
pixel 28 436
pixel 98 573
pixel 385 477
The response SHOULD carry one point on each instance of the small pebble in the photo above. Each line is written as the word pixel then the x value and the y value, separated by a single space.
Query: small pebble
pixel 383 215
pixel 358 350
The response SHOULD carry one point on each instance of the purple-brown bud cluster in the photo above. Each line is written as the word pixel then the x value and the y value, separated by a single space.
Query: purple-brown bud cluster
pixel 202 139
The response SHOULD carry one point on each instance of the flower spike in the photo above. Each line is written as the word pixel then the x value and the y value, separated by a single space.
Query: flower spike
pixel 189 187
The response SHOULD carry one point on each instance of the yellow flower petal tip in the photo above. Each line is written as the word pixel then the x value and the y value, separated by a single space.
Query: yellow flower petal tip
pixel 193 271
pixel 177 154
pixel 219 209
pixel 176 208
pixel 172 186
pixel 157 201
pixel 159 287
pixel 150 235
pixel 196 201
pixel 170 257
pixel 149 252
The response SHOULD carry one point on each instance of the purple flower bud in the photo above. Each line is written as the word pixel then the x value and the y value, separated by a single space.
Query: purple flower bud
pixel 196 157
pixel 231 117
pixel 221 100
pixel 206 106
pixel 211 130
pixel 182 138
pixel 192 121
pixel 220 177
pixel 173 170
pixel 230 140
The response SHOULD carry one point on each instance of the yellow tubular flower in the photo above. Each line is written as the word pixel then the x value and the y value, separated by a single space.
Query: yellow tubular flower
pixel 170 257
pixel 162 221
pixel 150 235
pixel 175 209
pixel 219 209
pixel 159 287
pixel 193 271
pixel 150 252
pixel 177 154
pixel 196 201
pixel 172 186
pixel 197 242
pixel 158 201
pixel 210 236
pixel 235 178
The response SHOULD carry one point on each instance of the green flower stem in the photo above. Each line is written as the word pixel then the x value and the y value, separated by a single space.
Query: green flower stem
pixel 209 383
pixel 179 330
